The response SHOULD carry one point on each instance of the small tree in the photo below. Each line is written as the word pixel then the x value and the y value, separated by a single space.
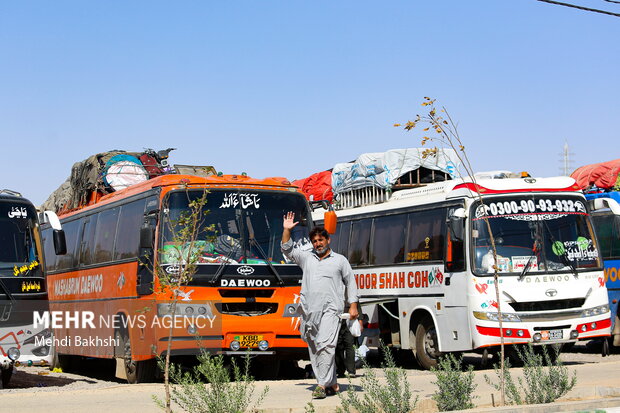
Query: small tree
pixel 185 252
pixel 443 130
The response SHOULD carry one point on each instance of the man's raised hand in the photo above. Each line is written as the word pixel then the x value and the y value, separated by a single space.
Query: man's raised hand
pixel 289 221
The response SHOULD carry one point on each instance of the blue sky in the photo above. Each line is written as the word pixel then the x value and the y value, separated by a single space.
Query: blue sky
pixel 288 88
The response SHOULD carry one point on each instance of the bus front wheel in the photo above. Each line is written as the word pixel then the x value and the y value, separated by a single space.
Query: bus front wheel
pixel 135 371
pixel 6 376
pixel 426 344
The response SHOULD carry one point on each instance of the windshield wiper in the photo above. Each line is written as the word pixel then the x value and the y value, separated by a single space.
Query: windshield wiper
pixel 260 249
pixel 564 256
pixel 6 290
pixel 526 268
pixel 227 260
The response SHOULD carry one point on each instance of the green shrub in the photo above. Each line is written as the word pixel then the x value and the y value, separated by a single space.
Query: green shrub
pixel 221 395
pixel 392 397
pixel 455 387
pixel 545 378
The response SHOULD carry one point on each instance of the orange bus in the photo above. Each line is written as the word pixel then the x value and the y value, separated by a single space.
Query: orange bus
pixel 106 300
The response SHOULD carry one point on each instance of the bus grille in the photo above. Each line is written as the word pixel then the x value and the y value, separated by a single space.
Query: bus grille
pixel 247 293
pixel 248 309
pixel 571 303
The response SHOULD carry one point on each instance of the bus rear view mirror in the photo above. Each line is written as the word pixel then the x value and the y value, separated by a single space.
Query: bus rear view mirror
pixel 606 203
pixel 330 221
pixel 147 235
pixel 60 242
pixel 456 223
pixel 58 235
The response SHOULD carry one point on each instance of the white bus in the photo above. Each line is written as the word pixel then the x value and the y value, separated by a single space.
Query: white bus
pixel 23 290
pixel 424 267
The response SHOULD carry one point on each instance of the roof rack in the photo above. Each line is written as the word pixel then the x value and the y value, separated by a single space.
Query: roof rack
pixel 11 192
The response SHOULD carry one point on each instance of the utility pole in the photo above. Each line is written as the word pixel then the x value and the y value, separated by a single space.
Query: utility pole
pixel 566 160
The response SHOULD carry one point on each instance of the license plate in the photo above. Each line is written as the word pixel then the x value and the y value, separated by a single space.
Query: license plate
pixel 249 340
pixel 552 334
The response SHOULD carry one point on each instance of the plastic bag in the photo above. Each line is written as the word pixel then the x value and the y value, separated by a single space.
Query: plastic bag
pixel 354 327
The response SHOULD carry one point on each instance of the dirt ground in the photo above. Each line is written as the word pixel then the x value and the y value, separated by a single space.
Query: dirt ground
pixel 92 373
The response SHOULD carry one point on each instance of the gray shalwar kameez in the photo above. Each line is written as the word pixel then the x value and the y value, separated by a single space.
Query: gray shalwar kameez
pixel 321 303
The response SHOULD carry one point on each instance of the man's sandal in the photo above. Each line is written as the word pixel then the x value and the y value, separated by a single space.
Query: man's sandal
pixel 330 391
pixel 319 393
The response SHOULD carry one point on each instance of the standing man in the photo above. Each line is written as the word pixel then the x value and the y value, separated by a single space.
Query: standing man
pixel 326 277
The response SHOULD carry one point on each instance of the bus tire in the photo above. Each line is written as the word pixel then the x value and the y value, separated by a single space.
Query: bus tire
pixel 142 371
pixel 427 346
pixel 66 363
pixel 6 376
pixel 265 367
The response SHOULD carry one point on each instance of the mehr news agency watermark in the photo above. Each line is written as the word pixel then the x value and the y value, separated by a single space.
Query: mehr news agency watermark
pixel 83 322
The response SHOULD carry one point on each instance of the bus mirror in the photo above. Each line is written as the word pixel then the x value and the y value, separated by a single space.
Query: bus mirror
pixel 330 221
pixel 50 217
pixel 456 223
pixel 60 242
pixel 146 236
pixel 604 203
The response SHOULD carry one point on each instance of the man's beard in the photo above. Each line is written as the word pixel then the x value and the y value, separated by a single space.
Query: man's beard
pixel 321 251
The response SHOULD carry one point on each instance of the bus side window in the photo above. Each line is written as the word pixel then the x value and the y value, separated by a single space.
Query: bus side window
pixel 359 244
pixel 426 230
pixel 335 241
pixel 105 234
pixel 129 223
pixel 615 245
pixel 389 240
pixel 604 226
pixel 343 232
pixel 88 240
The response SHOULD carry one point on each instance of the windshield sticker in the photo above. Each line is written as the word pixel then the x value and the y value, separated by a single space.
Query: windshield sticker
pixel 530 210
pixel 18 212
pixel 489 303
pixel 25 268
pixel 580 250
pixel 520 261
pixel 233 199
pixel 31 286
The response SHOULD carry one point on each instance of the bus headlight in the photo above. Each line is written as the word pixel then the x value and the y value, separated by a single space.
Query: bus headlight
pixel 234 345
pixel 13 353
pixel 263 345
pixel 41 351
pixel 601 309
pixel 492 316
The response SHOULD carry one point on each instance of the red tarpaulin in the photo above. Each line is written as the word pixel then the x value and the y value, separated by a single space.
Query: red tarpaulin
pixel 317 187
pixel 603 175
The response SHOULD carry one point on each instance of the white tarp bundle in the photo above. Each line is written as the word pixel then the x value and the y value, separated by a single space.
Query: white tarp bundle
pixel 382 169
pixel 123 174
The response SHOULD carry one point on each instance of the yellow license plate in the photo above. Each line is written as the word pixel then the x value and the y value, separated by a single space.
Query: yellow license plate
pixel 249 340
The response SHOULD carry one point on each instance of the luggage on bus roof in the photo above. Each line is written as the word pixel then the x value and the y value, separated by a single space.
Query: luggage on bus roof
pixel 604 175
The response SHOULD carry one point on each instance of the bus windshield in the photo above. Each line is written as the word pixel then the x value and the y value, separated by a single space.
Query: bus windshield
pixel 18 251
pixel 534 234
pixel 239 226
